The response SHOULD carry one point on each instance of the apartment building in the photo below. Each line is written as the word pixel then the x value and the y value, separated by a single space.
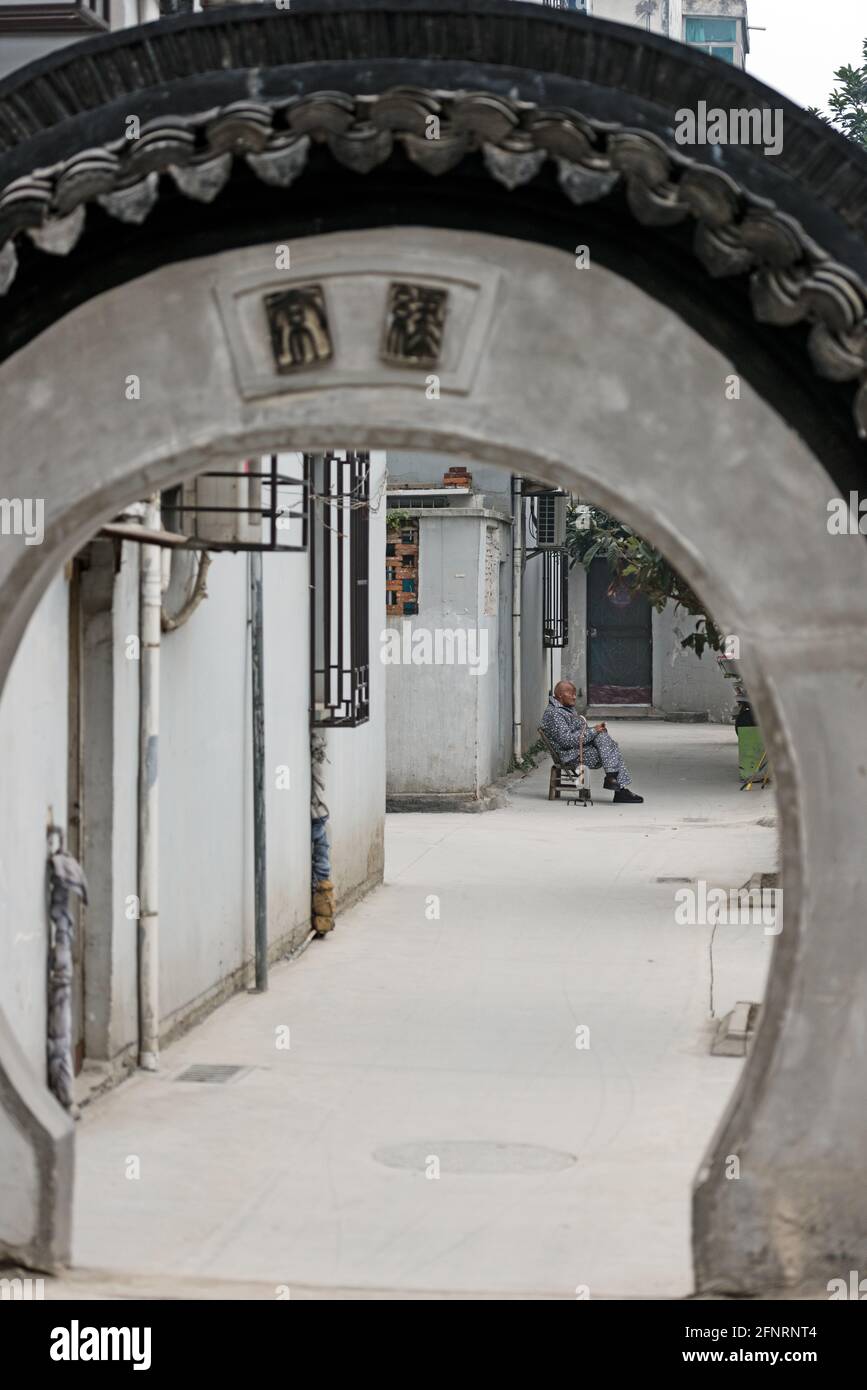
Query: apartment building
pixel 717 27
pixel 35 28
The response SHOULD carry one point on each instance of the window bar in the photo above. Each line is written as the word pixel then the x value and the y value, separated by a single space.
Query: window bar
pixel 313 558
pixel 359 553
pixel 269 514
pixel 327 566
pixel 340 554
pixel 555 598
pixel 273 509
pixel 340 679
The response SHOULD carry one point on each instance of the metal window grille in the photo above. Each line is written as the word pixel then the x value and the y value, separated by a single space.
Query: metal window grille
pixel 339 545
pixel 254 507
pixel 555 598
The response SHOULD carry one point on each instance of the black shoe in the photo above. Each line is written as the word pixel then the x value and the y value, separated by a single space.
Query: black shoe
pixel 624 794
pixel 610 783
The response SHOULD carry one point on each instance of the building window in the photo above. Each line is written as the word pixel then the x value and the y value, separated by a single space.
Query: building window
pixel 555 598
pixel 716 51
pixel 718 37
pixel 339 565
pixel 711 31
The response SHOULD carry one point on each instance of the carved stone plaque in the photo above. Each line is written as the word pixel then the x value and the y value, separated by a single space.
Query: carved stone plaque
pixel 300 336
pixel 414 321
pixel 327 325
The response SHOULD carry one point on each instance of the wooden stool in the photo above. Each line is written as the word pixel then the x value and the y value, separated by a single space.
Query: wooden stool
pixel 562 778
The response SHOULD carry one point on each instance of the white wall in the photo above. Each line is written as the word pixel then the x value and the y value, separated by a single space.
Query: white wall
pixel 433 710
pixel 205 884
pixel 16 52
pixel 205 778
pixel 683 681
pixel 205 781
pixel 624 12
pixel 448 731
pixel 675 19
pixel 455 758
pixel 33 739
pixel 355 772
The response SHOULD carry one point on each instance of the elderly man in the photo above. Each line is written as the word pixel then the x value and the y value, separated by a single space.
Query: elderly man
pixel 564 727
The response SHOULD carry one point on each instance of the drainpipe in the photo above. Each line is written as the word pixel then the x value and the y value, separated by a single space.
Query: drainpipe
pixel 517 575
pixel 257 667
pixel 150 582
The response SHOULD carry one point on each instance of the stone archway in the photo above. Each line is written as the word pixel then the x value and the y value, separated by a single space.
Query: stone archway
pixel 583 379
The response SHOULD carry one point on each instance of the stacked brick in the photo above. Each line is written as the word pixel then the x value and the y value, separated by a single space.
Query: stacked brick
pixel 458 477
pixel 401 570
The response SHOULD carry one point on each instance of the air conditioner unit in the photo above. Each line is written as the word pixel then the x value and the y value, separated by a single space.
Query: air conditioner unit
pixel 551 520
pixel 224 508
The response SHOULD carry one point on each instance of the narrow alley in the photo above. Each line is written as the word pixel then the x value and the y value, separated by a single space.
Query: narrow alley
pixel 438 1124
pixel 410 407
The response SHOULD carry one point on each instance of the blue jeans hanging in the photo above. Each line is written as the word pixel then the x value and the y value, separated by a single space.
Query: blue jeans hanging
pixel 321 855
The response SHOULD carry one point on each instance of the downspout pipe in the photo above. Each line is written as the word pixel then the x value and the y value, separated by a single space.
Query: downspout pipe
pixel 257 667
pixel 517 579
pixel 150 598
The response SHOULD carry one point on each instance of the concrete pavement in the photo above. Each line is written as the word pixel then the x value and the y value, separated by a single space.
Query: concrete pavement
pixel 435 1032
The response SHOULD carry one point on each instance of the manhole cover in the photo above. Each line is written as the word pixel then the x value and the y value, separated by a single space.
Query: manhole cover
pixel 213 1074
pixel 474 1156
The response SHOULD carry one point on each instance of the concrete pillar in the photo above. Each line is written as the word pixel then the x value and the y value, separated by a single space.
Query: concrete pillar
pixel 795 1216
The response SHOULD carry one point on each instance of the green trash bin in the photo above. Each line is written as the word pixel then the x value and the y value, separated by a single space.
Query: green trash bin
pixel 751 750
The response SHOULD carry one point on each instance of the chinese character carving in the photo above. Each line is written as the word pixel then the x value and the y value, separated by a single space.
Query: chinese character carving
pixel 299 328
pixel 415 317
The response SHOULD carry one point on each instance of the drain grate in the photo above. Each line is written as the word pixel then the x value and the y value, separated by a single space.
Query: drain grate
pixel 212 1074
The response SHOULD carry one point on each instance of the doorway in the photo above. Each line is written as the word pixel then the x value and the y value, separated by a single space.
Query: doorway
pixel 619 640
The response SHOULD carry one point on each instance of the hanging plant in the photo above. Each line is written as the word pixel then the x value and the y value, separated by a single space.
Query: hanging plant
pixel 592 534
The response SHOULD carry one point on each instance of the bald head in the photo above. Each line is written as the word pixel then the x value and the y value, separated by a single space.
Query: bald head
pixel 565 692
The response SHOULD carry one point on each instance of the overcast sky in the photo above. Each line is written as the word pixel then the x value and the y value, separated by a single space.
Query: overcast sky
pixel 806 41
